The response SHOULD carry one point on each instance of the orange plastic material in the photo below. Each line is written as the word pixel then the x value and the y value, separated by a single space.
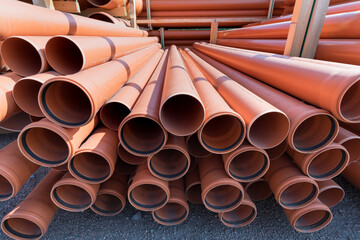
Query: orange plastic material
pixel 73 195
pixel 324 164
pixel 330 193
pixel 181 34
pixel 352 127
pixel 94 161
pixel 15 170
pixel 277 151
pixel 38 21
pixel 220 193
pixel 186 42
pixel 3 66
pixel 246 163
pixel 176 209
pixel 89 89
pixel 291 188
pixel 130 158
pixel 310 128
pixel 103 16
pixel 223 129
pixel 193 163
pixel 351 142
pixel 111 197
pixel 311 218
pixel 15 123
pixel 258 190
pixel 26 90
pixel 34 118
pixel 181 110
pixel 141 133
pixel 8 106
pixel 72 54
pixel 32 217
pixel 121 103
pixel 264 45
pixel 339 86
pixel 51 145
pixel 193 186
pixel 172 161
pixel 146 192
pixel 351 174
pixel 241 216
pixel 191 22
pixel 267 126
pixel 124 168
pixel 194 147
pixel 108 4
pixel 32 52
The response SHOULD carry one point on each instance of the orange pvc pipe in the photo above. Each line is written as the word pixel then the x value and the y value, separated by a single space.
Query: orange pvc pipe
pixel 124 168
pixel 223 129
pixel 182 34
pixel 103 16
pixel 194 147
pixel 38 21
pixel 224 22
pixel 108 4
pixel 340 87
pixel 130 158
pixel 351 174
pixel 351 142
pixel 141 133
pixel 121 103
pixel 267 126
pixel 90 89
pixel 277 151
pixel 193 186
pixel 310 128
pixel 8 106
pixel 187 42
pixel 211 13
pixel 181 110
pixel 15 123
pixel 72 54
pixel 330 193
pixel 258 190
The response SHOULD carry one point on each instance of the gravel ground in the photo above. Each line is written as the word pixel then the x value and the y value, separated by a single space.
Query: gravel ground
pixel 271 221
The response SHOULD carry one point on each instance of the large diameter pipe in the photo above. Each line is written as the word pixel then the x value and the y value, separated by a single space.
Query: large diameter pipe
pixel 181 110
pixel 38 21
pixel 15 123
pixel 8 106
pixel 120 105
pixel 291 188
pixel 15 170
pixel 48 144
pixel 32 217
pixel 310 128
pixel 176 209
pixel 73 195
pixel 146 192
pixel 220 193
pixel 182 34
pixel 90 89
pixel 108 4
pixel 267 126
pixel 106 17
pixel 172 161
pixel 186 42
pixel 193 186
pixel 330 193
pixel 351 142
pixel 277 151
pixel 194 147
pixel 340 86
pixel 26 90
pixel 130 158
pixel 258 190
pixel 223 129
pixel 94 161
pixel 351 174
pixel 141 132
pixel 111 197
pixel 72 54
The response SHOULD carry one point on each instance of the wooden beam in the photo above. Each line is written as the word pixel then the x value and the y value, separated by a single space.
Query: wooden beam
pixel 117 12
pixel 148 13
pixel 202 20
pixel 214 32
pixel 305 28
pixel 133 14
pixel 162 38
pixel 67 6
pixel 44 3
pixel 271 9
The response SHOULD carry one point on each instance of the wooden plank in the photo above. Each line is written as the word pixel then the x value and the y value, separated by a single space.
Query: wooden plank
pixel 214 32
pixel 117 12
pixel 203 20
pixel 67 6
pixel 44 3
pixel 162 38
pixel 306 25
pixel 271 9
pixel 148 13
pixel 133 14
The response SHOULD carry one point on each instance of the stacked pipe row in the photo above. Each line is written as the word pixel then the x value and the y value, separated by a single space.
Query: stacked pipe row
pixel 289 5
pixel 182 38
pixel 339 40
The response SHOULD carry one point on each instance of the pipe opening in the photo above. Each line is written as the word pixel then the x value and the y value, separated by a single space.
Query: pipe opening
pixel 332 196
pixel 148 196
pixel 25 93
pixel 71 111
pixel 142 135
pixel 182 115
pixel 130 158
pixel 64 55
pixel 222 133
pixel 90 166
pixel 298 194
pixel 21 56
pixel 194 147
pixel 171 213
pixel 123 168
pixel 72 197
pixel 241 216
pixel 112 114
pixel 193 194
pixel 22 228
pixel 99 2
pixel 353 148
pixel 277 151
pixel 350 103
pixel 99 16
pixel 223 197
pixel 327 164
pixel 313 220
pixel 45 146
pixel 248 166
pixel 169 163
pixel 258 190
pixel 6 188
pixel 314 132
pixel 108 204
pixel 269 130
